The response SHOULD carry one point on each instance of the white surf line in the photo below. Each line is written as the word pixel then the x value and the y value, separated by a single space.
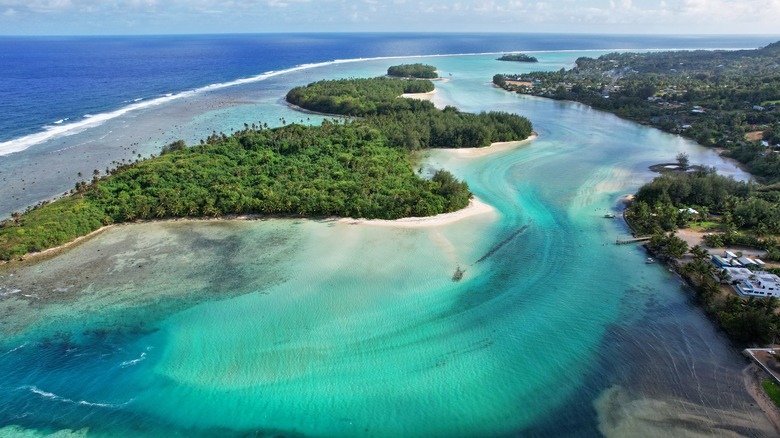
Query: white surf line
pixel 90 121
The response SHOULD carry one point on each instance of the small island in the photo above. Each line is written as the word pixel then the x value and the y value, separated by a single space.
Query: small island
pixel 410 124
pixel 518 57
pixel 418 71
pixel 360 167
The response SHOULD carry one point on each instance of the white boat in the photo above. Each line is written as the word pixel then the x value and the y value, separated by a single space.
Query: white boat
pixel 650 260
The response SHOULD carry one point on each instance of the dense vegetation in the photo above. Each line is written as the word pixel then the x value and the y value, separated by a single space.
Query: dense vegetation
pixel 735 213
pixel 421 71
pixel 331 170
pixel 359 168
pixel 732 207
pixel 518 57
pixel 360 97
pixel 727 99
pixel 409 123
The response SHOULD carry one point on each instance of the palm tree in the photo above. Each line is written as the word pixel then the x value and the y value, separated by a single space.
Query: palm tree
pixel 701 268
pixel 676 247
pixel 699 253
pixel 761 229
pixel 704 213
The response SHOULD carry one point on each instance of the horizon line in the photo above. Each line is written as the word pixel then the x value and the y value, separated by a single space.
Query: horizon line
pixel 617 34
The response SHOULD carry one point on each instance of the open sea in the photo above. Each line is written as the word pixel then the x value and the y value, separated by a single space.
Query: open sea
pixel 329 328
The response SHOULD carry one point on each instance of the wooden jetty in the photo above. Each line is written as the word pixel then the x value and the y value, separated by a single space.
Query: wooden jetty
pixel 632 240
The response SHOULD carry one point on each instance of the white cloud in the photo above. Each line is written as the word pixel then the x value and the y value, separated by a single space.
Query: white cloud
pixel 669 16
pixel 278 3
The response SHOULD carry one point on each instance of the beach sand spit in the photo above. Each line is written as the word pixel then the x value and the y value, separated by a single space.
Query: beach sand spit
pixel 475 207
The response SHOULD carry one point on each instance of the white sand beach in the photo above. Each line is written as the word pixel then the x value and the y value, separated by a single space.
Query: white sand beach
pixel 475 207
pixel 422 96
pixel 492 149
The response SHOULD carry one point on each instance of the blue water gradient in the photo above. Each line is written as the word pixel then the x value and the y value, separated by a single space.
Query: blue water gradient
pixel 327 328
pixel 44 80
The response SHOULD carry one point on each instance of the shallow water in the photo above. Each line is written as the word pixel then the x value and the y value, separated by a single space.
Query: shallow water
pixel 327 328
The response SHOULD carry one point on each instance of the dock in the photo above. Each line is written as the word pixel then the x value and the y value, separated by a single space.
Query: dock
pixel 765 358
pixel 632 240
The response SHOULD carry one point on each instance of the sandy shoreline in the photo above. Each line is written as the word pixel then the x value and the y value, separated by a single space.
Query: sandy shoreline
pixel 421 96
pixel 492 149
pixel 475 207
pixel 55 250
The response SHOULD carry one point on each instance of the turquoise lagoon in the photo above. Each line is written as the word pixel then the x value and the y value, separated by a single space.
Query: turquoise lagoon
pixel 335 328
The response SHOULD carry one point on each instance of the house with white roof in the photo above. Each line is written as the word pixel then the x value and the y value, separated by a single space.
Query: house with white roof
pixel 736 275
pixel 761 284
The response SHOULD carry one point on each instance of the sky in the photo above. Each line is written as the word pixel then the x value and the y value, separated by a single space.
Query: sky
pixel 106 17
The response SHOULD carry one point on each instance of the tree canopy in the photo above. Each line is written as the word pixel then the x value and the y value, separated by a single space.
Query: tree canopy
pixel 332 170
pixel 518 57
pixel 421 71
pixel 409 123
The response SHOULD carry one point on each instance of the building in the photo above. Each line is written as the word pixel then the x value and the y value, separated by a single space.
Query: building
pixel 744 261
pixel 761 284
pixel 720 262
pixel 736 275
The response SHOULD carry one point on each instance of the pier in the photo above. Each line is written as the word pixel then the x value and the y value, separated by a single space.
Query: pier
pixel 632 240
pixel 765 358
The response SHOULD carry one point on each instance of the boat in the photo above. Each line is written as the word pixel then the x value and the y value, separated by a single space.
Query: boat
pixel 650 260
pixel 458 275
pixel 609 216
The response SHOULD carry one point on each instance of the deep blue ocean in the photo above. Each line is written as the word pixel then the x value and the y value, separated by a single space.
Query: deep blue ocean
pixel 50 81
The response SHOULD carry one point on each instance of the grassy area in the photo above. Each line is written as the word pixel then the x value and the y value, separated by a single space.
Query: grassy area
pixel 703 226
pixel 773 391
